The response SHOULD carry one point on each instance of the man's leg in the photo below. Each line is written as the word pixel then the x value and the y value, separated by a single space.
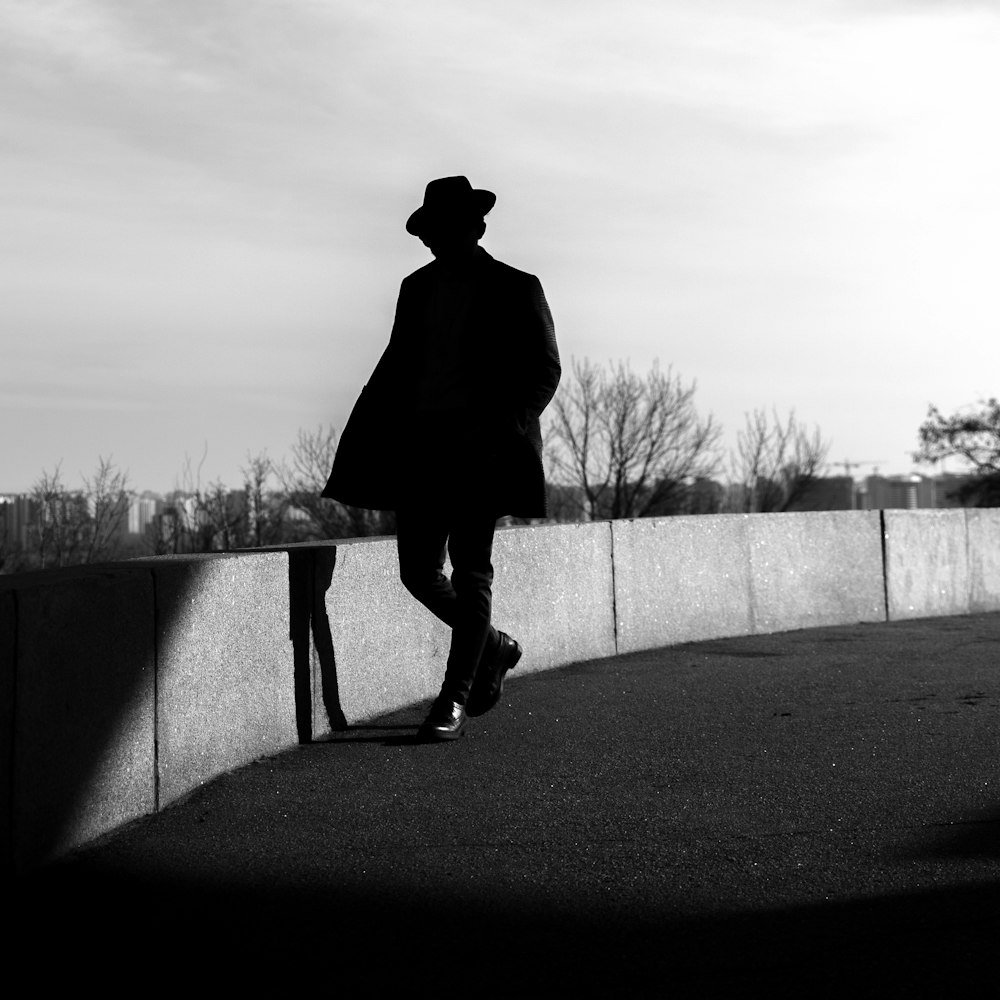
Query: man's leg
pixel 421 535
pixel 463 603
pixel 470 545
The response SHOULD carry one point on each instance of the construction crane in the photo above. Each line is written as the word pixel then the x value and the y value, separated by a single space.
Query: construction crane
pixel 849 464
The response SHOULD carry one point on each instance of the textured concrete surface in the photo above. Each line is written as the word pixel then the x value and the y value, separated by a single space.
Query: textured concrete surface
pixel 816 568
pixel 225 684
pixel 926 563
pixel 681 578
pixel 984 559
pixel 230 681
pixel 553 592
pixel 83 760
pixel 805 814
pixel 389 650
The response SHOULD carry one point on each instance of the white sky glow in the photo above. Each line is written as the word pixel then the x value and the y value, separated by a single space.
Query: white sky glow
pixel 793 202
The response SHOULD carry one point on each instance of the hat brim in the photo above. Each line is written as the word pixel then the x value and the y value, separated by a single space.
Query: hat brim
pixel 476 208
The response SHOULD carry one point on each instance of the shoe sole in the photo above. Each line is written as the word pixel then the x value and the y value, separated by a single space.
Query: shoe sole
pixel 513 656
pixel 440 736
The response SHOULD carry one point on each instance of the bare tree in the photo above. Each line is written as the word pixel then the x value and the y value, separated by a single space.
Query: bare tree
pixel 108 500
pixel 628 445
pixel 201 518
pixel 53 537
pixel 181 526
pixel 81 526
pixel 973 436
pixel 214 518
pixel 222 518
pixel 265 507
pixel 278 504
pixel 303 479
pixel 775 463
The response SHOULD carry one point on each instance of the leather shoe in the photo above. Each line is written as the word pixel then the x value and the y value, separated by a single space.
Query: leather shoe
pixel 445 721
pixel 488 685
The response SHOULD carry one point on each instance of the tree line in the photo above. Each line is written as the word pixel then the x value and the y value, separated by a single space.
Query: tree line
pixel 278 503
pixel 617 445
pixel 623 445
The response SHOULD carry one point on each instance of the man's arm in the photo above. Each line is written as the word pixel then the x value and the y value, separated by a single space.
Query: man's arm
pixel 542 368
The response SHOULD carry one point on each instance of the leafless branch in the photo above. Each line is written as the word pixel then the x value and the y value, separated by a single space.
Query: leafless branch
pixel 628 445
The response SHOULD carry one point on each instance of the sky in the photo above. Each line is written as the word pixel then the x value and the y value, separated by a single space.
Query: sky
pixel 793 203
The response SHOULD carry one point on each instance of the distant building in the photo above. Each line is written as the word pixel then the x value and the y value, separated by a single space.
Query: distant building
pixel 828 493
pixel 142 513
pixel 913 492
pixel 17 512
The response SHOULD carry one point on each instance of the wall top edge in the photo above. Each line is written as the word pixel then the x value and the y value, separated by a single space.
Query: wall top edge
pixel 127 567
pixel 43 578
pixel 941 512
pixel 746 516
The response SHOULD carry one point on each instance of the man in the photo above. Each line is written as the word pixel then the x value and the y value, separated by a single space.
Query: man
pixel 446 434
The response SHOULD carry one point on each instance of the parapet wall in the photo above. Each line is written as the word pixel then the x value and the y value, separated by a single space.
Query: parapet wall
pixel 126 686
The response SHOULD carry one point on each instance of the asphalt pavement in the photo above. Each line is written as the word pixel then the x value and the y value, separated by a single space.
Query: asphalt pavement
pixel 812 813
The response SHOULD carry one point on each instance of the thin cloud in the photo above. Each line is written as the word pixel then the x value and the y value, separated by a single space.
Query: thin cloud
pixel 718 185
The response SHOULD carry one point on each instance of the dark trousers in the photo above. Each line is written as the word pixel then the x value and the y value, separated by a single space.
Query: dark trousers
pixel 464 602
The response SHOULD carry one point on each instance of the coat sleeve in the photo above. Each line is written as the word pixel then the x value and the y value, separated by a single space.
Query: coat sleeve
pixel 542 366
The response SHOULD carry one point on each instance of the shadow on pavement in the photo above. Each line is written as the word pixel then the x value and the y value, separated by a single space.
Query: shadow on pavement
pixel 384 936
pixel 978 839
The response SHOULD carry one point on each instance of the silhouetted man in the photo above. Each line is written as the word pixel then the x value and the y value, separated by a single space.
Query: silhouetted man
pixel 446 434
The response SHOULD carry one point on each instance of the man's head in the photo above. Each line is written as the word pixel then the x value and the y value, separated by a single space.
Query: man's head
pixel 451 220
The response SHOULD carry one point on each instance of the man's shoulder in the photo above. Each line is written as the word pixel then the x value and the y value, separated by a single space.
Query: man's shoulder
pixel 420 274
pixel 494 270
pixel 500 271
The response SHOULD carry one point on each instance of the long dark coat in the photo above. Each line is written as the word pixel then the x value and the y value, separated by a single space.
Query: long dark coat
pixel 510 364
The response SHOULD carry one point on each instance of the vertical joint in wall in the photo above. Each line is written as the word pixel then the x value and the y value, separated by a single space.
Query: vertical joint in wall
pixel 885 563
pixel 156 695
pixel 614 588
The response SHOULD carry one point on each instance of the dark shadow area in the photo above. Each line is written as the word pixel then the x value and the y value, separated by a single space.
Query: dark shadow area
pixel 572 882
pixel 310 573
pixel 403 734
pixel 71 698
pixel 103 661
pixel 386 935
pixel 979 838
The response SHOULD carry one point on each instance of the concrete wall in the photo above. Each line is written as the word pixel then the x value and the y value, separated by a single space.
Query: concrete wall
pixel 683 579
pixel 225 692
pixel 983 535
pixel 553 590
pixel 125 687
pixel 942 562
pixel 83 710
pixel 680 580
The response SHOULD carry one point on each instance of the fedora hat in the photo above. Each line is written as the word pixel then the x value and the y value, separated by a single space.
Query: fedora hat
pixel 447 199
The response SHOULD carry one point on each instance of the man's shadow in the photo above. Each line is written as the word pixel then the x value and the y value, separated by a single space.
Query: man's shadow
pixel 310 575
